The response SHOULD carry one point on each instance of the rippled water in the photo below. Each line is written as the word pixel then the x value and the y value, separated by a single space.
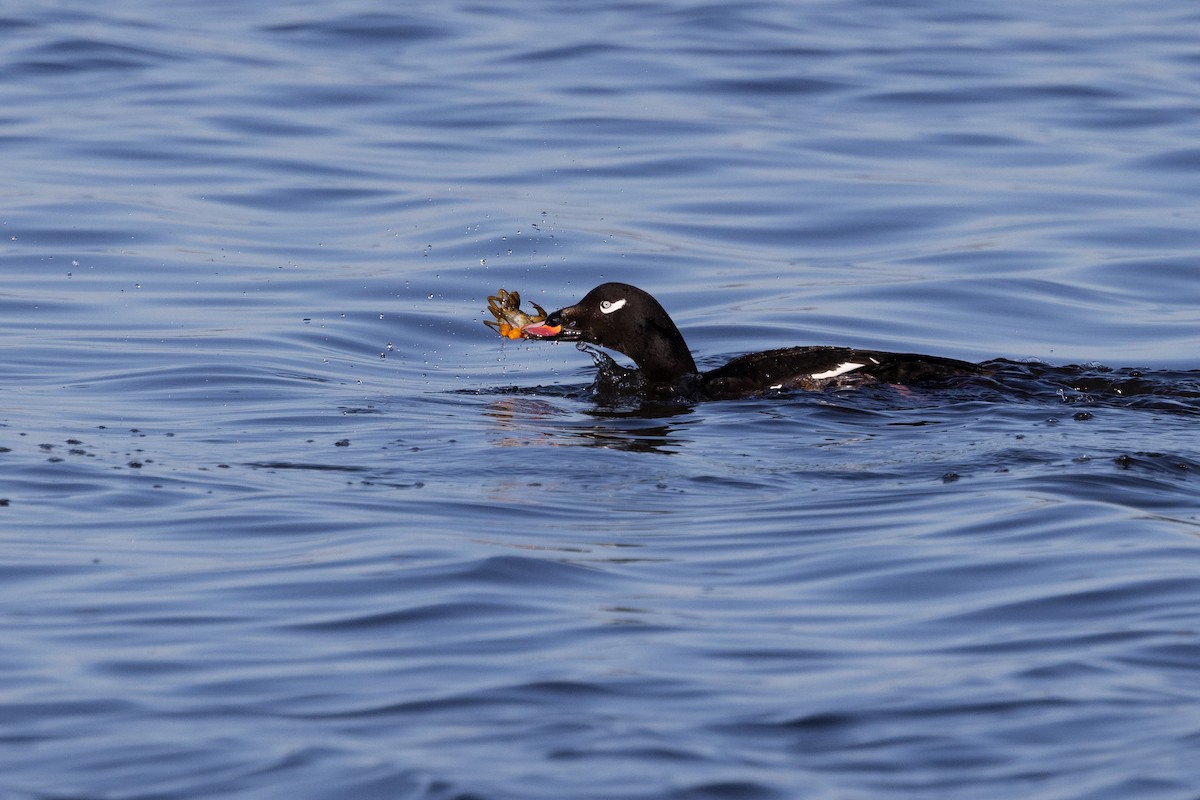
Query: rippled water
pixel 281 517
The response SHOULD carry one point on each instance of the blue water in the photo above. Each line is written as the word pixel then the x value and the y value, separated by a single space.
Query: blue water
pixel 279 516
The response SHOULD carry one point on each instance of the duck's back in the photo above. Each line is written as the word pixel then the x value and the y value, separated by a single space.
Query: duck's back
pixel 814 368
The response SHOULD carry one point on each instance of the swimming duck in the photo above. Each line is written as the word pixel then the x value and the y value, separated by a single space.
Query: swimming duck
pixel 624 318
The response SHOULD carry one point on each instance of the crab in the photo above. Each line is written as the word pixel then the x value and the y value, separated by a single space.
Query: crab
pixel 510 319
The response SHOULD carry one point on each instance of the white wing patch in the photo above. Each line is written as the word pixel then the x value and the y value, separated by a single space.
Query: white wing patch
pixel 608 307
pixel 840 369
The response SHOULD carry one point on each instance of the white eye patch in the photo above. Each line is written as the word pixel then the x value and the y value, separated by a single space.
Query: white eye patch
pixel 609 306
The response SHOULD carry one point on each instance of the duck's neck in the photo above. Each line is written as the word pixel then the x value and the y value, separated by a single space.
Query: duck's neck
pixel 664 356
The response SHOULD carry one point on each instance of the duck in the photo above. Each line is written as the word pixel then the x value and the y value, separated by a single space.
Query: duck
pixel 630 321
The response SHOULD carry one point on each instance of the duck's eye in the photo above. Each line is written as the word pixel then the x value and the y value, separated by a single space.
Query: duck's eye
pixel 609 306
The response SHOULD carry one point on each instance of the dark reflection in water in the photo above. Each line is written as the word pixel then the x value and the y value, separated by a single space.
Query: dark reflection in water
pixel 634 426
pixel 645 439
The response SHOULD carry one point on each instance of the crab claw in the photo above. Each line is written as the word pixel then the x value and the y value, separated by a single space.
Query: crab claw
pixel 509 319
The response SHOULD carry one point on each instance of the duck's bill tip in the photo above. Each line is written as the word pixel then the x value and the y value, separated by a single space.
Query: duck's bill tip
pixel 540 330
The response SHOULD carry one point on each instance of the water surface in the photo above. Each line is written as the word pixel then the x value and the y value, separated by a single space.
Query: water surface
pixel 281 517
